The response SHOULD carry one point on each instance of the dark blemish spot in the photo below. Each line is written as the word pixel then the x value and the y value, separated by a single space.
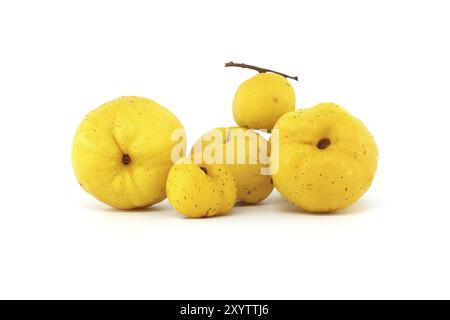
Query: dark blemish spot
pixel 126 159
pixel 323 143
pixel 204 170
pixel 275 100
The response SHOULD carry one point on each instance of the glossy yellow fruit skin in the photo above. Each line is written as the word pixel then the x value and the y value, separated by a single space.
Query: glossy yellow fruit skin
pixel 261 100
pixel 253 186
pixel 201 190
pixel 133 126
pixel 329 179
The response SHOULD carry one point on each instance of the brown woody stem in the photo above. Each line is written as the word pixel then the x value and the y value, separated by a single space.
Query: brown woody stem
pixel 260 70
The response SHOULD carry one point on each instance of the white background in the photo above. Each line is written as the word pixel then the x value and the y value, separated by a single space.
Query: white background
pixel 387 62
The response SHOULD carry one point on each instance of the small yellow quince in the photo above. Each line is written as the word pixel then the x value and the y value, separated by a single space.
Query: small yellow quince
pixel 261 100
pixel 201 190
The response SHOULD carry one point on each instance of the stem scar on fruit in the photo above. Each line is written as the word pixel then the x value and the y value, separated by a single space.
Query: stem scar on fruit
pixel 323 143
pixel 126 159
pixel 260 70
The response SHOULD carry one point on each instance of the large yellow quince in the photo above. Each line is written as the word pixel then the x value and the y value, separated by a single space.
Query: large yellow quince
pixel 245 153
pixel 327 158
pixel 122 151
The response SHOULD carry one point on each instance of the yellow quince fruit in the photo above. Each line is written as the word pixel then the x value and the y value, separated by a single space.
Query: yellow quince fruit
pixel 327 158
pixel 199 190
pixel 261 100
pixel 122 151
pixel 245 153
